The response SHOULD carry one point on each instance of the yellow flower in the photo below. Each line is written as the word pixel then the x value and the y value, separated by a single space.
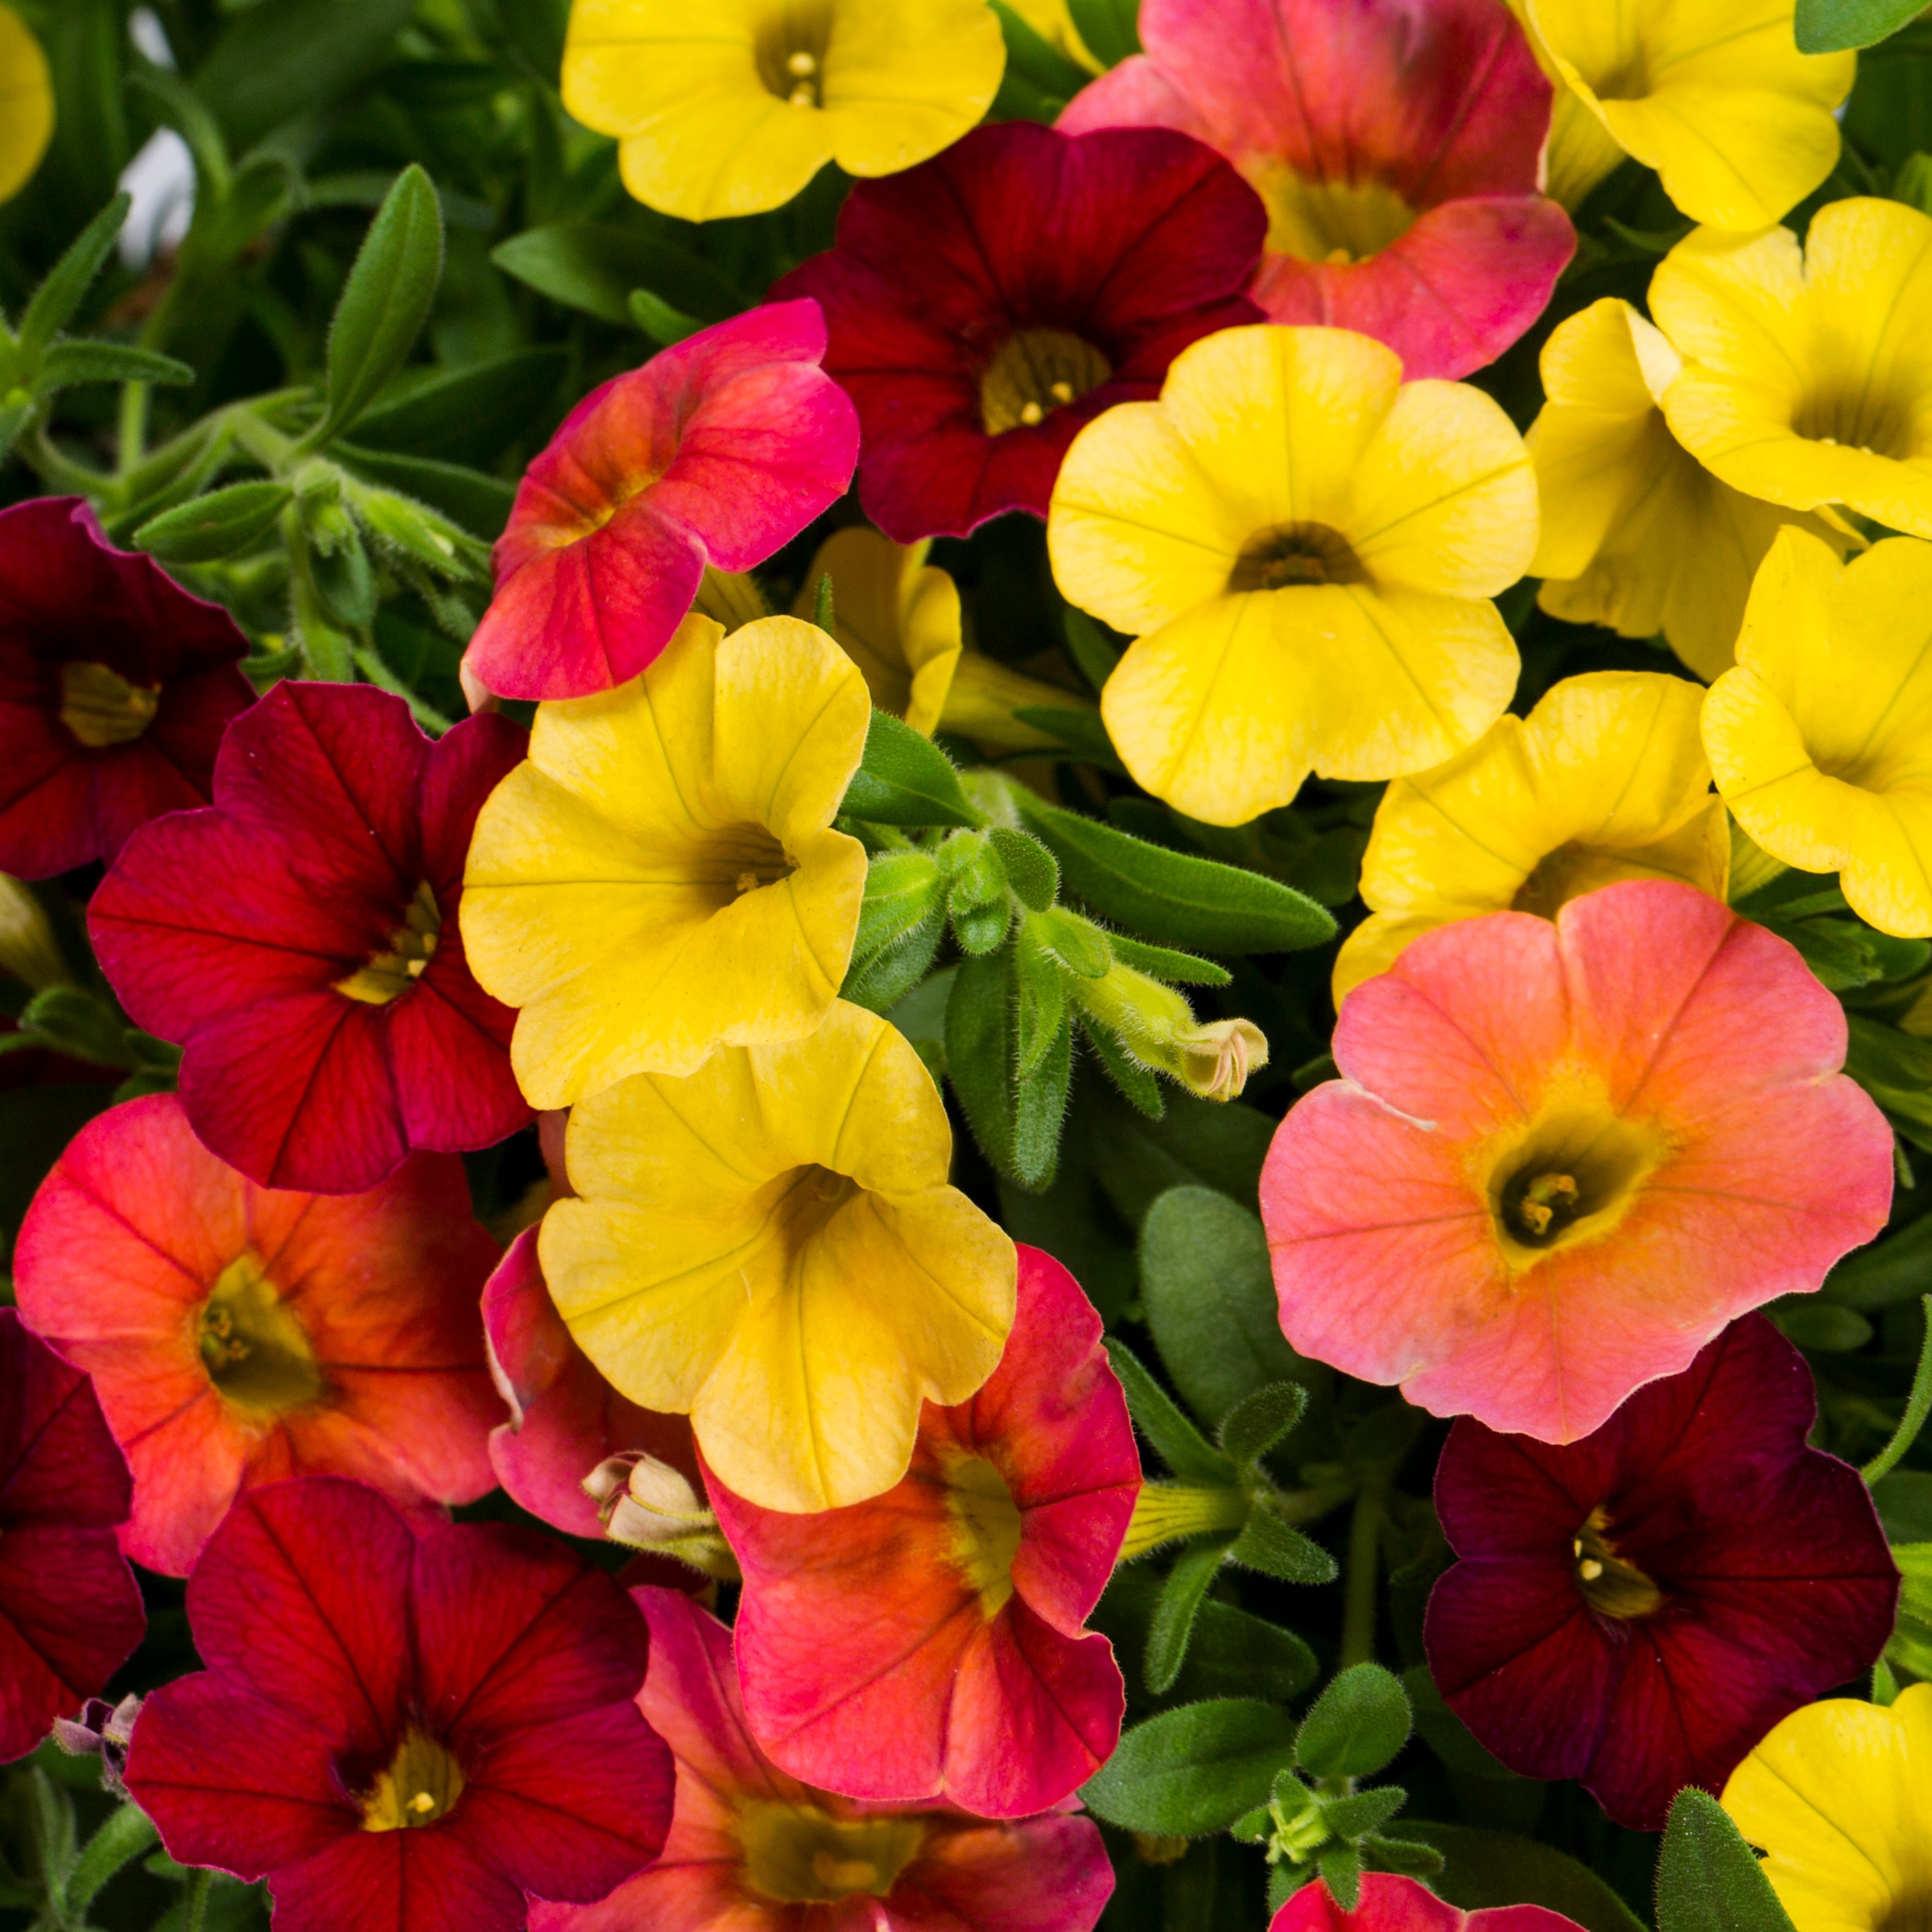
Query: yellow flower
pixel 1604 780
pixel 729 107
pixel 1305 546
pixel 1054 25
pixel 1807 375
pixel 1840 1797
pixel 1636 533
pixel 27 103
pixel 771 1246
pixel 1713 94
pixel 660 878
pixel 1821 738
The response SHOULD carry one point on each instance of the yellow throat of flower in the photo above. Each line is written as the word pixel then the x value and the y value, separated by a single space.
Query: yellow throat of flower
pixel 1331 221
pixel 1289 556
pixel 985 1528
pixel 790 46
pixel 254 1346
pixel 101 708
pixel 420 1784
pixel 412 945
pixel 1037 371
pixel 1610 1586
pixel 802 1856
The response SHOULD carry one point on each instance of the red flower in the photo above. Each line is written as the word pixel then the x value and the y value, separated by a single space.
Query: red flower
pixel 403 1733
pixel 70 1613
pixel 970 1676
pixel 986 304
pixel 299 942
pixel 1388 1904
pixel 115 687
pixel 1638 1609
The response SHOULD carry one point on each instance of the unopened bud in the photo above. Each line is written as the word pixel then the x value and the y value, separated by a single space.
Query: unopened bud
pixel 104 1730
pixel 28 949
pixel 1155 1024
pixel 649 1505
pixel 1216 1058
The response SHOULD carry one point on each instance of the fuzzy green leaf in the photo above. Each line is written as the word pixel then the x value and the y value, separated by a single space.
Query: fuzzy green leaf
pixel 1829 27
pixel 1182 1447
pixel 59 296
pixel 1708 1879
pixel 1195 1569
pixel 215 526
pixel 1278 1548
pixel 1195 1770
pixel 1260 1419
pixel 1355 1726
pixel 905 779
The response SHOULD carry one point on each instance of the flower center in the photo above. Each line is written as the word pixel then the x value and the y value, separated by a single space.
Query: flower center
pixel 422 1784
pixel 411 946
pixel 1037 371
pixel 101 708
pixel 1287 555
pixel 739 860
pixel 802 1856
pixel 1611 1586
pixel 1864 416
pixel 1569 1178
pixel 1333 221
pixel 985 1528
pixel 1575 869
pixel 791 49
pixel 255 1350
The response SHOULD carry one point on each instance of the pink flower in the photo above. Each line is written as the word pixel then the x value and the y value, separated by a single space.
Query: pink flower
pixel 1388 1904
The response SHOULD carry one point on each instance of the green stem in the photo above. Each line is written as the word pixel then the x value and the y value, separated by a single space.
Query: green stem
pixel 74 479
pixel 194 1900
pixel 1364 1572
pixel 133 438
pixel 1919 1406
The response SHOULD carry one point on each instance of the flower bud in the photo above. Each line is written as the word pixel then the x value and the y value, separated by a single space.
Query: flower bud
pixel 1155 1024
pixel 1216 1058
pixel 28 949
pixel 650 1506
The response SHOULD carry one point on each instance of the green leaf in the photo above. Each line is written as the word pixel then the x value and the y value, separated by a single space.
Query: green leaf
pixel 1110 28
pixel 1039 80
pixel 1482 1869
pixel 1195 1569
pixel 1362 1812
pixel 1136 1085
pixel 903 891
pixel 1341 1869
pixel 1040 1112
pixel 68 364
pixel 479 503
pixel 1260 1419
pixel 1824 1327
pixel 1829 27
pixel 1041 1007
pixel 1355 1726
pixel 657 318
pixel 1195 1770
pixel 594 267
pixel 1235 1652
pixel 1196 1143
pixel 13 419
pixel 1078 944
pixel 469 415
pixel 215 526
pixel 894 970
pixel 1893 1269
pixel 1278 1548
pixel 1708 1879
pixel 977 901
pixel 184 111
pixel 1838 951
pixel 978 1054
pixel 55 299
pixel 281 58
pixel 905 779
pixel 1079 729
pixel 1181 1446
pixel 1030 868
pixel 1165 963
pixel 1089 646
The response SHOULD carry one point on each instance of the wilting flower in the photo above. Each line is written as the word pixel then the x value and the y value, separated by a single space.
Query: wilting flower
pixel 1838 1797
pixel 1389 1904
pixel 1636 533
pixel 717 452
pixel 1804 380
pixel 402 1726
pixel 70 1610
pixel 237 1335
pixel 985 306
pixel 1605 779
pixel 1306 547
pixel 770 1245
pixel 1638 1609
pixel 738 118
pixel 756 1851
pixel 298 942
pixel 1817 735
pixel 1562 1155
pixel 1398 149
pixel 1713 94
pixel 115 686
pixel 661 877
pixel 971 1677
pixel 27 103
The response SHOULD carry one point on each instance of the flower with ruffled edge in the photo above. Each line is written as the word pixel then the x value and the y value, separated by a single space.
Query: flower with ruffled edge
pixel 971 1677
pixel 756 1851
pixel 1638 1609
pixel 1398 147
pixel 27 103
pixel 402 1728
pixel 1562 1155
pixel 983 306
pixel 237 1335
pixel 1389 1904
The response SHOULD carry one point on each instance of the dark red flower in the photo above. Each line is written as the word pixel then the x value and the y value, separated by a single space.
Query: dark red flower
pixel 403 1734
pixel 299 942
pixel 1638 1609
pixel 986 304
pixel 70 1611
pixel 115 687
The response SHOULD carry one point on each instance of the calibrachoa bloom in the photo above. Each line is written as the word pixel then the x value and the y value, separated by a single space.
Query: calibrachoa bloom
pixel 1398 146
pixel 661 877
pixel 1635 1610
pixel 1605 779
pixel 403 1730
pixel 1562 1155
pixel 1389 1904
pixel 756 1851
pixel 299 941
pixel 1306 547
pixel 1819 736
pixel 70 1610
pixel 971 1676
pixel 733 110
pixel 27 103
pixel 1839 1799
pixel 717 452
pixel 115 687
pixel 237 1335
pixel 983 306
pixel 770 1245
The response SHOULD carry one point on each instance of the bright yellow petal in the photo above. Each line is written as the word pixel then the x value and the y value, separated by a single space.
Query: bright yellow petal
pixel 27 103
pixel 904 78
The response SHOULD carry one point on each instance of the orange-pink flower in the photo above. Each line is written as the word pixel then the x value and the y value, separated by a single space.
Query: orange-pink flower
pixel 1562 1156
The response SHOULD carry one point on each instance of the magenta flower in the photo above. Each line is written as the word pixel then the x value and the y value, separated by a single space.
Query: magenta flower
pixel 1388 1904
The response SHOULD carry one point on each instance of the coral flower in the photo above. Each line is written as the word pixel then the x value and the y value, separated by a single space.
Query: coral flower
pixel 1840 1797
pixel 770 1245
pixel 1306 547
pixel 237 1335
pixel 971 1676
pixel 299 941
pixel 1388 1904
pixel 1635 1610
pixel 1398 146
pixel 1605 779
pixel 731 109
pixel 983 306
pixel 402 1727
pixel 1819 736
pixel 758 1852
pixel 1636 533
pixel 661 877
pixel 1806 380
pixel 1713 94
pixel 1562 1155
pixel 27 103
pixel 716 452
pixel 115 687
pixel 70 1610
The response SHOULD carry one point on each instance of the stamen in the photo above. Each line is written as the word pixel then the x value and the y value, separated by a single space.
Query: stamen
pixel 1060 392
pixel 1589 1569
pixel 1031 413
pixel 1545 1197
pixel 801 63
pixel 748 882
